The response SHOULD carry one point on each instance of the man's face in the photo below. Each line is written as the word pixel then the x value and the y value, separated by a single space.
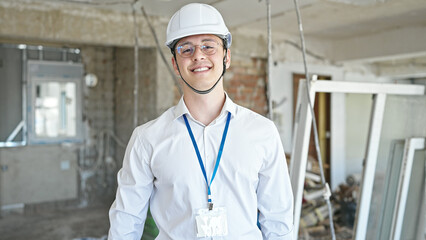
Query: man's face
pixel 200 68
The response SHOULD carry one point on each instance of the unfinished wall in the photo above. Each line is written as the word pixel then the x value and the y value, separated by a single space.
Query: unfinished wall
pixel 75 166
pixel 99 100
pixel 96 173
pixel 124 85
pixel 167 83
pixel 62 22
pixel 51 176
pixel 245 83
pixel 93 31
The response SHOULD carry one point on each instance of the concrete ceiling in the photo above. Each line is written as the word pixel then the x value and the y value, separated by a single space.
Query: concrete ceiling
pixel 347 30
pixel 329 19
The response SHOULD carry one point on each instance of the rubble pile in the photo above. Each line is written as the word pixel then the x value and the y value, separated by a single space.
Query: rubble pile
pixel 314 221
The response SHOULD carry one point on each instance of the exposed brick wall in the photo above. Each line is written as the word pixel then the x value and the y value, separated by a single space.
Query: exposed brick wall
pixel 109 107
pixel 99 100
pixel 245 83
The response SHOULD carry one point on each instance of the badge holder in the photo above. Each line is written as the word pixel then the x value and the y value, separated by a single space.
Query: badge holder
pixel 211 223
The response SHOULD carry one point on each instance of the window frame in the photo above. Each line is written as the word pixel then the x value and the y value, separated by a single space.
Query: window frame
pixel 71 72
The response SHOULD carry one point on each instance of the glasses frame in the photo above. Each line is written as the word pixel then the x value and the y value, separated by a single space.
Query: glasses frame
pixel 201 46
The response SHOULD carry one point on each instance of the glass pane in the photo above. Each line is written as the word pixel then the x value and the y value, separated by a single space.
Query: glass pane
pixel 10 92
pixel 404 117
pixel 412 216
pixel 390 190
pixel 55 109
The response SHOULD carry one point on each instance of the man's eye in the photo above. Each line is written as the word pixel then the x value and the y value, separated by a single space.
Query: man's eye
pixel 186 50
pixel 208 46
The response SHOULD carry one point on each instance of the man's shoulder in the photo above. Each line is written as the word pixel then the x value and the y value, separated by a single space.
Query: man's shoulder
pixel 250 117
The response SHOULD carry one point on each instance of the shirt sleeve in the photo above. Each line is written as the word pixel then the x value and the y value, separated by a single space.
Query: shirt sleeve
pixel 274 191
pixel 135 183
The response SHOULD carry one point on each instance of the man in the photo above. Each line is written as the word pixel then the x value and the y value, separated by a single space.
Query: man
pixel 207 168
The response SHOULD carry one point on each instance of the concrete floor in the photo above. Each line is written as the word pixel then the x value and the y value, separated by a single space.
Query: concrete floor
pixel 82 224
pixel 56 225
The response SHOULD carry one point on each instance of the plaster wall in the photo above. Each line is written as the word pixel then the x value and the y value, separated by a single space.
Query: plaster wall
pixel 395 43
pixel 357 115
pixel 168 84
pixel 51 176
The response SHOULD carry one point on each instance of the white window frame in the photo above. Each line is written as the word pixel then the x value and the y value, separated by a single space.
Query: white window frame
pixel 301 137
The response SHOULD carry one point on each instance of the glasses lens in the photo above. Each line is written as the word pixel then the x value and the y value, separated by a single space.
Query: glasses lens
pixel 186 50
pixel 209 48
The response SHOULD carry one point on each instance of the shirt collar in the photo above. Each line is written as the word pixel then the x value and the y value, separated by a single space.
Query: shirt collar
pixel 229 106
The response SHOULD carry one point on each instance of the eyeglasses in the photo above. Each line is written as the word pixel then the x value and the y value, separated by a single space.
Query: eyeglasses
pixel 187 50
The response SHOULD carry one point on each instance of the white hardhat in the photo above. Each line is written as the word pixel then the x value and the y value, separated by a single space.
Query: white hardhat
pixel 196 18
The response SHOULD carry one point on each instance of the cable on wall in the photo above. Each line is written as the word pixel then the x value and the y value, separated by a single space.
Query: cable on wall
pixel 136 67
pixel 269 74
pixel 160 51
pixel 314 124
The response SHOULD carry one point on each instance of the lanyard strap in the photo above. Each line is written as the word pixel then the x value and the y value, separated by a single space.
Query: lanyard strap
pixel 219 155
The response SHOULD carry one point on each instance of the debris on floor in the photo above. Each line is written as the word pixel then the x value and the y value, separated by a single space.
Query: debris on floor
pixel 49 223
pixel 314 221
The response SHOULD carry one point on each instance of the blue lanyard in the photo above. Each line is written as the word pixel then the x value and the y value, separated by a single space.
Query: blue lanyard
pixel 200 160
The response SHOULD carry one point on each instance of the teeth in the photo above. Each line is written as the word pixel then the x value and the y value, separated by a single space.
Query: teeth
pixel 201 69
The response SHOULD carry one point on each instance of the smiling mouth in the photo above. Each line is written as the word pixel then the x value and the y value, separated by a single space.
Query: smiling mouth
pixel 200 69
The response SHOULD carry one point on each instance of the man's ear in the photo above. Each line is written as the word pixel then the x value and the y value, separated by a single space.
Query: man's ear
pixel 175 66
pixel 228 58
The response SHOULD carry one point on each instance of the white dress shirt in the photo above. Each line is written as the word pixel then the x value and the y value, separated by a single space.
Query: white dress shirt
pixel 161 171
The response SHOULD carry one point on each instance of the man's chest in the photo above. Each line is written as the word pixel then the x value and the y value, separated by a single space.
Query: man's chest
pixel 175 162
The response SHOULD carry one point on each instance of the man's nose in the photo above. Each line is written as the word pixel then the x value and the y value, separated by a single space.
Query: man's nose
pixel 198 53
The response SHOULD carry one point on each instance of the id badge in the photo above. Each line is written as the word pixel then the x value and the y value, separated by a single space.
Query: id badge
pixel 211 223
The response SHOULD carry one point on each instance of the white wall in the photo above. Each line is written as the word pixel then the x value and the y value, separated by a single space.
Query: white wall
pixel 357 121
pixel 357 113
pixel 282 88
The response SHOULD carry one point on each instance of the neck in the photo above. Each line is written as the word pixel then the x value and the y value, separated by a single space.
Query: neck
pixel 205 107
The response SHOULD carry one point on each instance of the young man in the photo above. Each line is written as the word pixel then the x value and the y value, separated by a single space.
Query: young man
pixel 207 168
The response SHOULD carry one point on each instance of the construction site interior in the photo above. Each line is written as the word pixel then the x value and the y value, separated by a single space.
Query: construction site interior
pixel 77 76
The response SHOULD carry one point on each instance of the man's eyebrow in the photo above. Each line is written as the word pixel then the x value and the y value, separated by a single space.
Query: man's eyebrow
pixel 184 43
pixel 208 40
